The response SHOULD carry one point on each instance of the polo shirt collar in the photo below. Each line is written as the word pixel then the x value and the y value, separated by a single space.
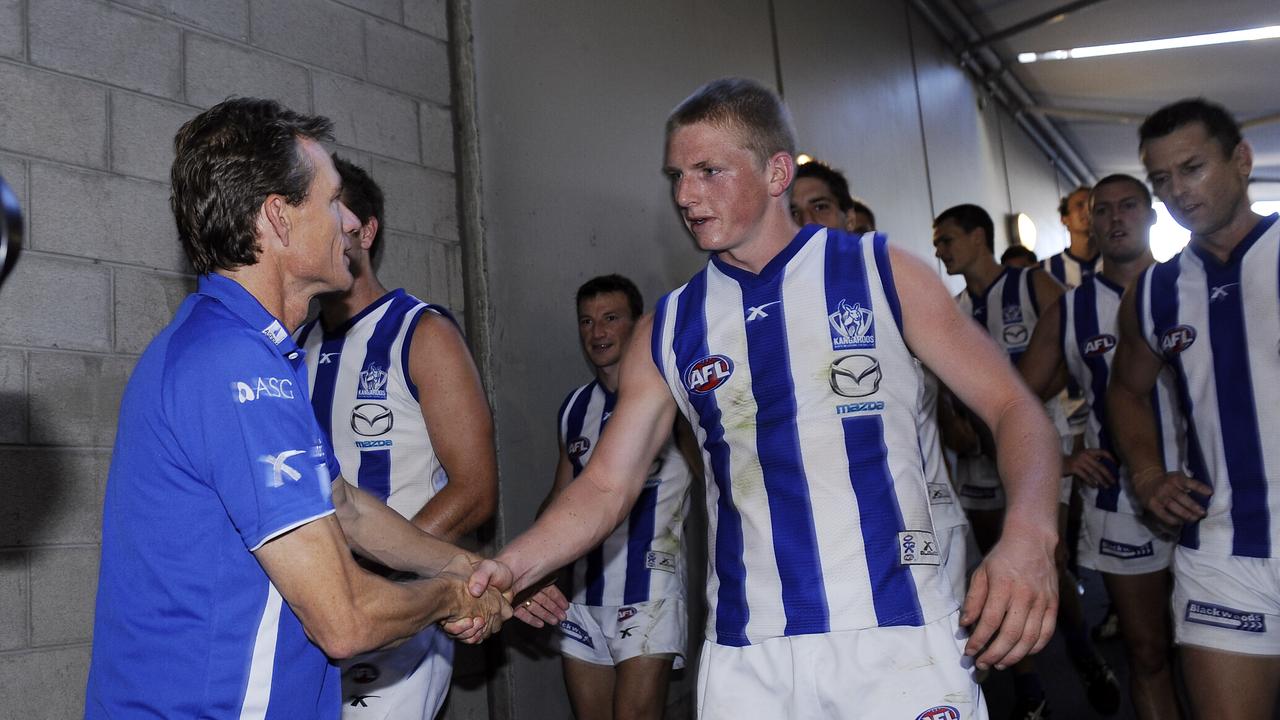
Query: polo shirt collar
pixel 240 301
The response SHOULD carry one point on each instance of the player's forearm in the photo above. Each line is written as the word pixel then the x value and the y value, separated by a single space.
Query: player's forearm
pixel 580 518
pixel 1133 427
pixel 379 533
pixel 455 511
pixel 1029 455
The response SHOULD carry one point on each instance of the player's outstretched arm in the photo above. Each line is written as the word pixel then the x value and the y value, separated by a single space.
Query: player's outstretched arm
pixel 599 498
pixel 458 420
pixel 347 610
pixel 1134 373
pixel 379 533
pixel 1013 596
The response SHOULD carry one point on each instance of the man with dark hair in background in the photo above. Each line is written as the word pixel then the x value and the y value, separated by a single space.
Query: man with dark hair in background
pixel 1077 338
pixel 792 354
pixel 227 578
pixel 1019 256
pixel 628 622
pixel 820 194
pixel 1209 314
pixel 396 393
pixel 1007 302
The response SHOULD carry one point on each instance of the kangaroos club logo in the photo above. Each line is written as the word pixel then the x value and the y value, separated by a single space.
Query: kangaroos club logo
pixel 708 374
pixel 1177 339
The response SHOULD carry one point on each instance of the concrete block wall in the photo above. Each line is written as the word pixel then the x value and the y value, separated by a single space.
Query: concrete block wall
pixel 91 94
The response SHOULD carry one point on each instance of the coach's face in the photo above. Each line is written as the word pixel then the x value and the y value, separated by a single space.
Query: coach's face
pixel 1202 185
pixel 321 227
pixel 1121 221
pixel 719 186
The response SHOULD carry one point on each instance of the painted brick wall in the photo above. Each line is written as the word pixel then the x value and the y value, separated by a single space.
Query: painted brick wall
pixel 91 93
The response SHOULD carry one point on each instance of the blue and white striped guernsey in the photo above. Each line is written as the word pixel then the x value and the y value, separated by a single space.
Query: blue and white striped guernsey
pixel 803 397
pixel 1070 270
pixel 643 559
pixel 1007 309
pixel 1089 338
pixel 1217 324
pixel 368 405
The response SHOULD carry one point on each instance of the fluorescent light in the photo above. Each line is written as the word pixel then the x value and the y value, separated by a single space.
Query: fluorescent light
pixel 803 159
pixel 1262 33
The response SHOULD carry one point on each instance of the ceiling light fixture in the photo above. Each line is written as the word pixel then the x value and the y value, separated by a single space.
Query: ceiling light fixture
pixel 1262 33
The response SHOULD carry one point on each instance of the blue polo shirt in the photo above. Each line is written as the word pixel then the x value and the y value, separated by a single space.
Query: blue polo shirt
pixel 217 452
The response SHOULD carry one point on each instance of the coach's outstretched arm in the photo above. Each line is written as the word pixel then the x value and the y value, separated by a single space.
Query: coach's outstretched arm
pixel 1013 595
pixel 597 500
pixel 1133 378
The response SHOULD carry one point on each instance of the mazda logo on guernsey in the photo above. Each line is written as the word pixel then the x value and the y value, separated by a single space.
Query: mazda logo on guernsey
pixel 1177 339
pixel 1098 345
pixel 371 420
pixel 856 376
pixel 1015 334
pixel 707 374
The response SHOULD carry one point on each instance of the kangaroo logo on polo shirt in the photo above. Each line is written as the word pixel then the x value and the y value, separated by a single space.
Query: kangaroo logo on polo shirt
pixel 852 326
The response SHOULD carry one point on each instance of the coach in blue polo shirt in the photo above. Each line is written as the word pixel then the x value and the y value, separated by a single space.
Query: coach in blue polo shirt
pixel 227 580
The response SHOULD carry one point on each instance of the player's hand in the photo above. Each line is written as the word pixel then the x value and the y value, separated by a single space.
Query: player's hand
pixel 473 619
pixel 1172 497
pixel 490 573
pixel 544 606
pixel 1012 604
pixel 1092 466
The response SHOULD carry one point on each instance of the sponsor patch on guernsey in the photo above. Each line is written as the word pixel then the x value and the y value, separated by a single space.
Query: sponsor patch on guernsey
pixel 575 631
pixel 654 560
pixel 917 547
pixel 1225 617
pixel 1125 551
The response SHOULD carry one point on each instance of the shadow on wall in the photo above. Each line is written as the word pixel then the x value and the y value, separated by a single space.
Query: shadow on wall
pixel 44 490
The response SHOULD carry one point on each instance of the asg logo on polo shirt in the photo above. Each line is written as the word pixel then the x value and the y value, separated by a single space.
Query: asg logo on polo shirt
pixel 1177 339
pixel 1098 345
pixel 851 326
pixel 708 374
pixel 269 387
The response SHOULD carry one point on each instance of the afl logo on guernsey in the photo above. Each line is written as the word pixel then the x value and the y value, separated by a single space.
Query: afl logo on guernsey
pixel 851 326
pixel 578 447
pixel 708 374
pixel 1098 345
pixel 942 712
pixel 856 376
pixel 1177 339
